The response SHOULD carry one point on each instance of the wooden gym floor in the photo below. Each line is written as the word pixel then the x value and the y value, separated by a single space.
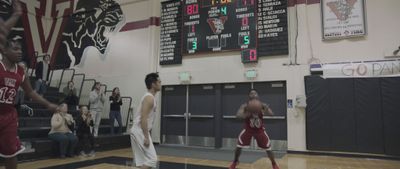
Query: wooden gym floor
pixel 122 159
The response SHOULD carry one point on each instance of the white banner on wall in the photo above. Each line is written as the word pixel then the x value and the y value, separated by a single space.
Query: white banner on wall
pixel 342 18
pixel 380 68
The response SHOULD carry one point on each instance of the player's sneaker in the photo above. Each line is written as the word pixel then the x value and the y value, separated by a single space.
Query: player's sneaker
pixel 233 165
pixel 275 166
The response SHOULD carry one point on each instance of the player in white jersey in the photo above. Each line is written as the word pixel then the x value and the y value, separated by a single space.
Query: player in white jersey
pixel 142 145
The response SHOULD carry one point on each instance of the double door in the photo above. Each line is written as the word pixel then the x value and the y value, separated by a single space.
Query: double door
pixel 205 115
pixel 188 115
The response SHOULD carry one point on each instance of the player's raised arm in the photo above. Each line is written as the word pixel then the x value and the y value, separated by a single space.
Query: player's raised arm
pixel 17 12
pixel 36 97
pixel 5 26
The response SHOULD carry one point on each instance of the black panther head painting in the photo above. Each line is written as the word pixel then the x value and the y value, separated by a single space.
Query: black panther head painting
pixel 84 24
pixel 90 25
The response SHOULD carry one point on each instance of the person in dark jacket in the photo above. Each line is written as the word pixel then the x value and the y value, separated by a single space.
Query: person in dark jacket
pixel 115 110
pixel 85 136
pixel 42 73
pixel 70 96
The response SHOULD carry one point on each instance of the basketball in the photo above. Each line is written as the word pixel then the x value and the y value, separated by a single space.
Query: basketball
pixel 254 106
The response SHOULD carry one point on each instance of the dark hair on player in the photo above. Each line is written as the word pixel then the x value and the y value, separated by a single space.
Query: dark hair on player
pixel 252 90
pixel 150 79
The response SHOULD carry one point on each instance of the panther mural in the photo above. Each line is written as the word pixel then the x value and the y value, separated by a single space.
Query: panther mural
pixel 75 26
pixel 90 25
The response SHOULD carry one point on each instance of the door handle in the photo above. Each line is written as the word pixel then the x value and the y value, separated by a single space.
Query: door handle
pixel 174 115
pixel 274 117
pixel 202 116
pixel 265 117
pixel 229 117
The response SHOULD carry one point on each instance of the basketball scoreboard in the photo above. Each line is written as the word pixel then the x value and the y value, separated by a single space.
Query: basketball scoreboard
pixel 200 26
pixel 218 25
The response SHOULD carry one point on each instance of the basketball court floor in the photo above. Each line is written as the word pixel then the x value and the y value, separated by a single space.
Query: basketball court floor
pixel 122 159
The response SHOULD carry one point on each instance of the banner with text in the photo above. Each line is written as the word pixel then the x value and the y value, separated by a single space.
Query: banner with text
pixel 379 68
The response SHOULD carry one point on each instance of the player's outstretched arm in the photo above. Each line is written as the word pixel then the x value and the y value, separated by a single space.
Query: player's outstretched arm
pixel 36 97
pixel 241 112
pixel 267 110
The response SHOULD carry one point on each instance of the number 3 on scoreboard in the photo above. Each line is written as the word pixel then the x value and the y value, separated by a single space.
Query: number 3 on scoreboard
pixel 194 45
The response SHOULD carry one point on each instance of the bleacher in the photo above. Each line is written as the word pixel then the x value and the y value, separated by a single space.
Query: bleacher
pixel 34 127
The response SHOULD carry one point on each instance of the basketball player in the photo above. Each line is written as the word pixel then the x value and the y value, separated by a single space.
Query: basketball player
pixel 142 145
pixel 253 127
pixel 11 77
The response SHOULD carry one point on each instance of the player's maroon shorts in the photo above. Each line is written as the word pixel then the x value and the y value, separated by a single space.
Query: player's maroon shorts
pixel 9 142
pixel 260 136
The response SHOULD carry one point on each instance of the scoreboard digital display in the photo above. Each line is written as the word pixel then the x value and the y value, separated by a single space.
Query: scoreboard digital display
pixel 255 28
pixel 170 33
pixel 218 25
pixel 272 27
pixel 249 55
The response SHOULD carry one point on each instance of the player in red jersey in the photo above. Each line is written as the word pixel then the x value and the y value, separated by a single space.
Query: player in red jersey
pixel 252 112
pixel 11 77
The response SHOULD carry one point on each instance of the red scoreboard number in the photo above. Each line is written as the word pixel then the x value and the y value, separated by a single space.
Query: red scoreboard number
pixel 245 21
pixel 243 3
pixel 192 9
pixel 249 55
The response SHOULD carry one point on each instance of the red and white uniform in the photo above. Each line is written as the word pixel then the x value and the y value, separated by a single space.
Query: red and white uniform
pixel 9 84
pixel 254 127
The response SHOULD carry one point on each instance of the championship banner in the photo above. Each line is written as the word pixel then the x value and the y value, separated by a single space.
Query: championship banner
pixel 343 19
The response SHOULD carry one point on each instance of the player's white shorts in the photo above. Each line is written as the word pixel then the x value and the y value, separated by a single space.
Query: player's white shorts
pixel 143 155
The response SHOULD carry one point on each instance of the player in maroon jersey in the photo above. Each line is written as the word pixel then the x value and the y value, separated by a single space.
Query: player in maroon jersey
pixel 253 127
pixel 11 77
